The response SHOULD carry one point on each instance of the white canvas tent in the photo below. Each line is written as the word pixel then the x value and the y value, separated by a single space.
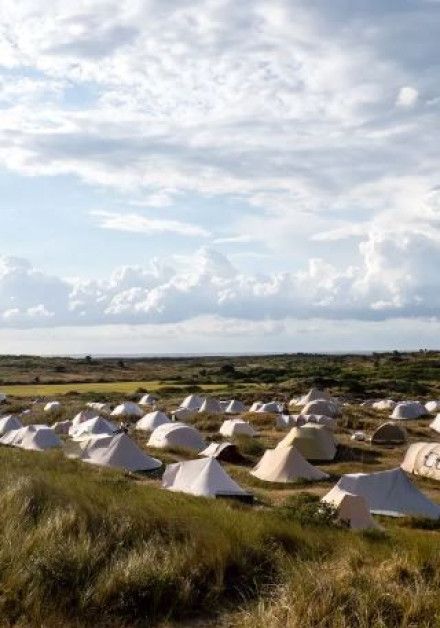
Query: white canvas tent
pixel 52 406
pixel 9 422
pixel 150 421
pixel 183 414
pixel 315 442
pixel 235 407
pixel 272 407
pixel 176 435
pixel 211 405
pixel 255 406
pixel 389 433
pixel 192 402
pixel 352 509
pixel 222 451
pixel 384 404
pixel 84 415
pixel 435 424
pixel 291 420
pixel 423 459
pixel 148 400
pixel 127 409
pixel 39 440
pixel 407 410
pixel 237 427
pixel 203 477
pixel 100 407
pixel 285 464
pixel 97 425
pixel 119 452
pixel 62 427
pixel 432 406
pixel 389 493
pixel 322 407
pixel 313 395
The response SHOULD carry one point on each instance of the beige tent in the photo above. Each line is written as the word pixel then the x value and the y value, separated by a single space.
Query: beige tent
pixel 119 452
pixel 423 459
pixel 84 415
pixel 384 404
pixel 237 427
pixel 211 405
pixel 409 410
pixel 150 421
pixel 352 509
pixel 433 406
pixel 314 442
pixel 286 464
pixel 435 424
pixel 176 435
pixel 389 434
pixel 313 395
pixel 321 406
pixel 127 409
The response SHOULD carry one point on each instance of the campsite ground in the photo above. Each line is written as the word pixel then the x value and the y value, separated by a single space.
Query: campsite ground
pixel 91 546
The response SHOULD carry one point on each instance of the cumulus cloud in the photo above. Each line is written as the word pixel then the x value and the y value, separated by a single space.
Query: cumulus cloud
pixel 397 275
pixel 407 97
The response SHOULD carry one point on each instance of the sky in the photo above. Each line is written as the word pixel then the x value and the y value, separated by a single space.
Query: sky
pixel 219 176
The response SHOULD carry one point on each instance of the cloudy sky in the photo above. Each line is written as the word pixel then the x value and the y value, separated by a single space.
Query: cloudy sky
pixel 219 175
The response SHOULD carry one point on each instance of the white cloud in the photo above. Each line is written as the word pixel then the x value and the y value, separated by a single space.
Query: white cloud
pixel 135 223
pixel 407 97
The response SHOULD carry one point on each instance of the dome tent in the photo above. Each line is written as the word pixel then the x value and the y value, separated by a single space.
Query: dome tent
pixel 432 406
pixel 351 509
pixel 407 410
pixel 95 426
pixel 203 477
pixel 84 415
pixel 384 404
pixel 314 442
pixel 120 452
pixel 148 400
pixel 389 493
pixel 235 407
pixel 389 434
pixel 127 409
pixel 192 402
pixel 423 459
pixel 150 421
pixel 176 435
pixel 285 464
pixel 211 405
pixel 227 452
pixel 314 394
pixel 8 423
pixel 237 427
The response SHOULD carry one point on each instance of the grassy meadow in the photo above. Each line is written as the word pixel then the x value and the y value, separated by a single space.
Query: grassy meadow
pixel 88 546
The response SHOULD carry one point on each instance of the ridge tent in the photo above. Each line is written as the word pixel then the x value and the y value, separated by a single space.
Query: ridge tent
pixel 384 404
pixel 314 442
pixel 285 464
pixel 227 452
pixel 322 407
pixel 127 409
pixel 39 440
pixel 9 422
pixel 237 427
pixel 423 459
pixel 389 434
pixel 52 406
pixel 192 402
pixel 119 452
pixel 407 410
pixel 432 406
pixel 148 400
pixel 97 425
pixel 150 421
pixel 235 407
pixel 201 477
pixel 389 493
pixel 211 405
pixel 255 406
pixel 176 435
pixel 435 424
pixel 351 509
pixel 84 415
pixel 313 395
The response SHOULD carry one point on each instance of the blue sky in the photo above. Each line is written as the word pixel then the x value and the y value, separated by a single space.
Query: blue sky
pixel 218 175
